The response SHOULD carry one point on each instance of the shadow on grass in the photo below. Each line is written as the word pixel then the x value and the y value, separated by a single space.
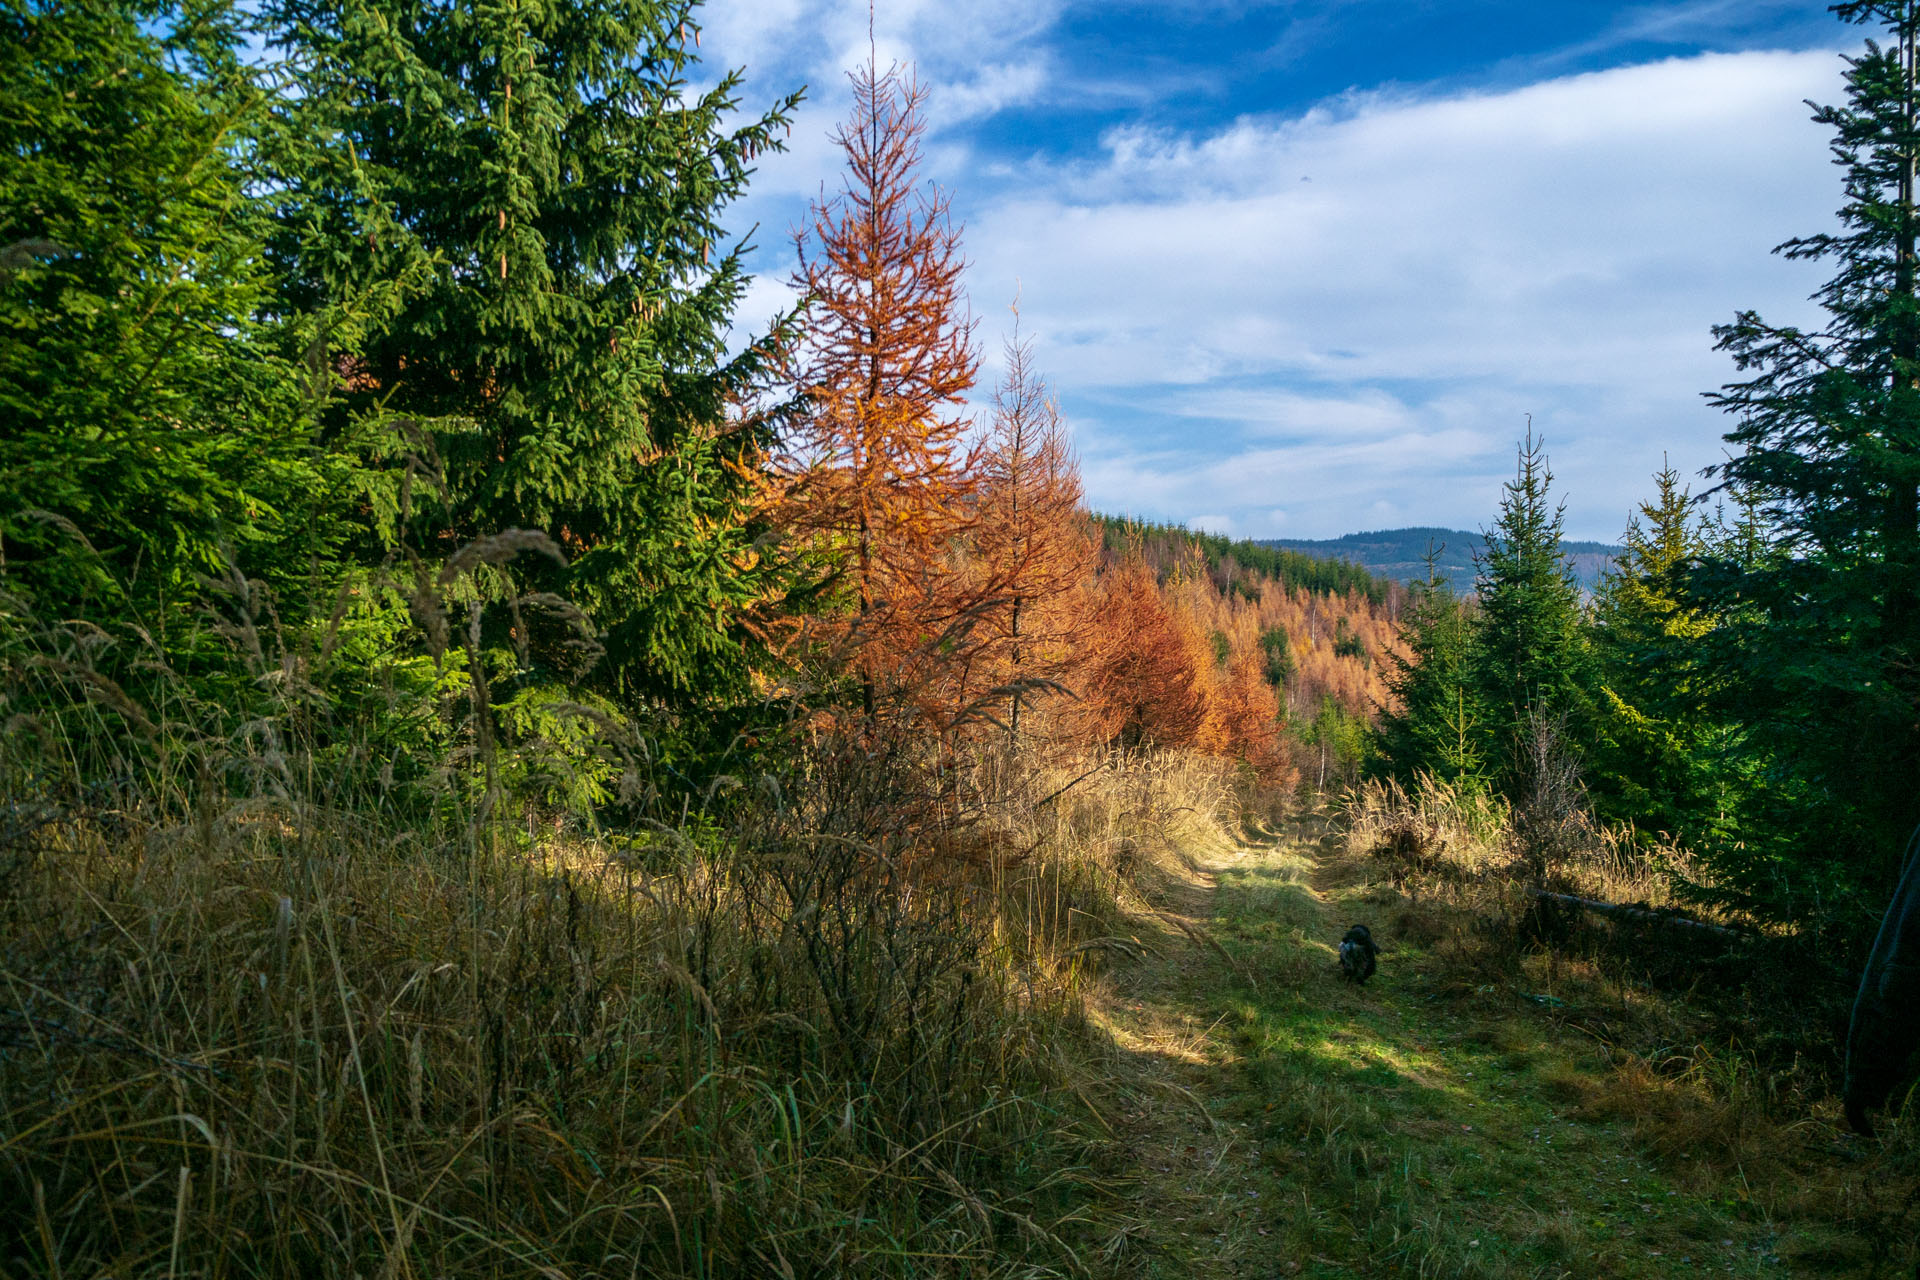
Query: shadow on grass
pixel 274 1048
pixel 1424 1125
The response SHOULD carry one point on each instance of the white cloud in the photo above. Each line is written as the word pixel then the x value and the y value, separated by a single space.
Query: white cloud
pixel 973 60
pixel 1412 473
pixel 977 57
pixel 1338 319
pixel 1363 413
pixel 1445 266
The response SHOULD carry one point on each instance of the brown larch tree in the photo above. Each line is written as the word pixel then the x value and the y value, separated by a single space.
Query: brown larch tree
pixel 881 477
pixel 1030 550
pixel 1141 685
pixel 1250 712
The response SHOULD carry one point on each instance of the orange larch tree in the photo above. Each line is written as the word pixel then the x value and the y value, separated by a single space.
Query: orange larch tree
pixel 1029 550
pixel 880 474
pixel 1141 686
pixel 1250 712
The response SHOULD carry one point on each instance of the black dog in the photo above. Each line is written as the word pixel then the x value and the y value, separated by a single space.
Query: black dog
pixel 1357 952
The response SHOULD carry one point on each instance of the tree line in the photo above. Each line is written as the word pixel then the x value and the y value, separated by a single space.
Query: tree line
pixel 401 358
pixel 1295 570
pixel 1744 682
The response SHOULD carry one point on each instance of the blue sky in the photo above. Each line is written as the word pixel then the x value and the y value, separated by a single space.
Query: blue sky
pixel 1301 269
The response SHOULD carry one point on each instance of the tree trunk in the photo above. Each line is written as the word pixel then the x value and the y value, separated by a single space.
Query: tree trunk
pixel 1639 915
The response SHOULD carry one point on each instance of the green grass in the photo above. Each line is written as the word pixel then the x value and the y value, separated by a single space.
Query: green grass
pixel 1452 1117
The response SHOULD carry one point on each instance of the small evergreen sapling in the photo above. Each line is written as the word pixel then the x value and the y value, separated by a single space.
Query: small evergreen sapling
pixel 1530 656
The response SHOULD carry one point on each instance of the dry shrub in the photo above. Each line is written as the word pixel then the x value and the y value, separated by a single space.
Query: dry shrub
pixel 1434 836
pixel 1550 823
pixel 1498 880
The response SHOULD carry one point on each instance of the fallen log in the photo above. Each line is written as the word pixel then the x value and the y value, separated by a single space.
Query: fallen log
pixel 1640 915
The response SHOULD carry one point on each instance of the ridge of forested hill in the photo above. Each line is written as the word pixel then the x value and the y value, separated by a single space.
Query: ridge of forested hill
pixel 1306 571
pixel 1401 554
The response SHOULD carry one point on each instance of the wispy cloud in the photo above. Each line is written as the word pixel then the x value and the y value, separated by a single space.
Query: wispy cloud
pixel 1366 278
pixel 1337 317
pixel 1725 23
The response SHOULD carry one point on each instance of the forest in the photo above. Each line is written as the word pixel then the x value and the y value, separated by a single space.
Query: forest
pixel 505 772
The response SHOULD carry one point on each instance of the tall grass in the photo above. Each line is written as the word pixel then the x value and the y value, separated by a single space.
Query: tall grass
pixel 313 1047
pixel 284 995
pixel 1078 846
pixel 1471 846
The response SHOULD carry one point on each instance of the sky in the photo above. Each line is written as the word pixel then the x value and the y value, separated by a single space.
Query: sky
pixel 1302 268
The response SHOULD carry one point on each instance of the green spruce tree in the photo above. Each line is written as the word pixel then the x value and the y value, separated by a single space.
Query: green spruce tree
pixel 178 517
pixel 1434 724
pixel 1657 746
pixel 1530 659
pixel 544 187
pixel 157 408
pixel 1818 637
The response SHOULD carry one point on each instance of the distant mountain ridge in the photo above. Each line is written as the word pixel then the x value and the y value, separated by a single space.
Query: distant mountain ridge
pixel 1401 554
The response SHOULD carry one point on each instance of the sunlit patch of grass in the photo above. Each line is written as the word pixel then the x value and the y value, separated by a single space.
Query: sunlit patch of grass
pixel 1471 1115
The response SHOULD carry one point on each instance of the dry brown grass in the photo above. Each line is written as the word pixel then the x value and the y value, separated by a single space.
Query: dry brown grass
pixel 810 1032
pixel 1441 838
pixel 302 1049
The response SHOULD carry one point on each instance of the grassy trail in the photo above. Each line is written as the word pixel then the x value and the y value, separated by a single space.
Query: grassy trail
pixel 1282 1122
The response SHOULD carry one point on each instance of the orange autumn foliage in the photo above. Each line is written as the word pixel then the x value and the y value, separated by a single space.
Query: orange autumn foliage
pixel 1174 656
pixel 1249 712
pixel 1137 680
pixel 1029 549
pixel 1314 623
pixel 1241 719
pixel 879 476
